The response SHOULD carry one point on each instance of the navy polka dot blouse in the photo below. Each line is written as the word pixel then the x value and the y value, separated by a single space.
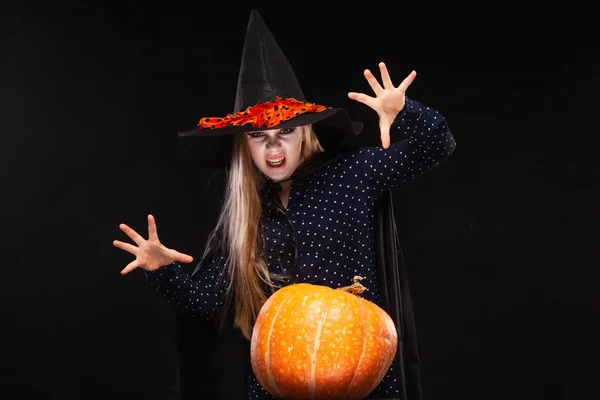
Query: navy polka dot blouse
pixel 329 220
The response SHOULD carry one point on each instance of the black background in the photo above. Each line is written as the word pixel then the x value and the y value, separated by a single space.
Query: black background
pixel 499 240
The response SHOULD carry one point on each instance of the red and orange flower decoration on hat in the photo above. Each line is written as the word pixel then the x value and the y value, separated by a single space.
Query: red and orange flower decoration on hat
pixel 263 115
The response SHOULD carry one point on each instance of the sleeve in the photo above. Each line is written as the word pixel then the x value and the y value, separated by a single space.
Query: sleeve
pixel 420 140
pixel 197 298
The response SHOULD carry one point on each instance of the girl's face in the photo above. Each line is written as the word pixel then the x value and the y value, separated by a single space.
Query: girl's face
pixel 276 152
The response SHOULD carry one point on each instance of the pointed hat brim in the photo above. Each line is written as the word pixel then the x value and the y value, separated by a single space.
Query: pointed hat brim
pixel 212 148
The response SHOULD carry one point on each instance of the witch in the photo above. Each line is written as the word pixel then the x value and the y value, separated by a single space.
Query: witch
pixel 302 203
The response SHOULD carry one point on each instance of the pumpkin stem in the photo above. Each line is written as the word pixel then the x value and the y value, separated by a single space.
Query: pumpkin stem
pixel 356 288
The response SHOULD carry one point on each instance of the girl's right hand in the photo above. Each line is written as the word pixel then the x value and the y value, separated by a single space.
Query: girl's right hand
pixel 150 254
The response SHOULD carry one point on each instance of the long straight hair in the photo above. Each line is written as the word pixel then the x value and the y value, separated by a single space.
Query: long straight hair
pixel 236 234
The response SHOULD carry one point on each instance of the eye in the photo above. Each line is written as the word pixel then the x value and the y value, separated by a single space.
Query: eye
pixel 255 134
pixel 285 131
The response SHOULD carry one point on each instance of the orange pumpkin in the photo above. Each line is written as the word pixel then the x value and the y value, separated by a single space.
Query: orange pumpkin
pixel 315 342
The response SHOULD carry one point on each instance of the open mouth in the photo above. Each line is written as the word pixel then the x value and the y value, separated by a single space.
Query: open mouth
pixel 275 162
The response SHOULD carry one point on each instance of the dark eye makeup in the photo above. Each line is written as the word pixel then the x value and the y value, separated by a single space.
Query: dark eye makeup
pixel 284 131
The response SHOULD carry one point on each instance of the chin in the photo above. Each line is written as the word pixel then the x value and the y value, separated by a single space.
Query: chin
pixel 277 174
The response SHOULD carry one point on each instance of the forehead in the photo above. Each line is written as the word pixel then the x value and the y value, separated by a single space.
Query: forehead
pixel 266 131
pixel 276 130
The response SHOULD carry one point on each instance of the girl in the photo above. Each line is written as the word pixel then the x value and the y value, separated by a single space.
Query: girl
pixel 299 205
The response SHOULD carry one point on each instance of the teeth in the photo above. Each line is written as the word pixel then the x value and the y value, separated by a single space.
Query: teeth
pixel 276 161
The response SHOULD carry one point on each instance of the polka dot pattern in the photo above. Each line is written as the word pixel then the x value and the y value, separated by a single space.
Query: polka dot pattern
pixel 200 298
pixel 325 235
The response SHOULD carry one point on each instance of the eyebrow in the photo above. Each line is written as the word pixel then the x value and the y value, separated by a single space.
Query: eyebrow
pixel 278 129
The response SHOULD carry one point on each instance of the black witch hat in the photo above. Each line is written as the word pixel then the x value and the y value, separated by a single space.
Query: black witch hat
pixel 268 97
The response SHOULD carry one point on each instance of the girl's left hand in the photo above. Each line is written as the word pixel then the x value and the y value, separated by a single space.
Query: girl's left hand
pixel 388 100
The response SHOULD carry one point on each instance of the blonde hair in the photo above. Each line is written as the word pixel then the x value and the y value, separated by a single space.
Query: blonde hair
pixel 237 232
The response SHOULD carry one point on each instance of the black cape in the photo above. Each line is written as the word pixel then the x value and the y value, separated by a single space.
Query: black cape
pixel 213 365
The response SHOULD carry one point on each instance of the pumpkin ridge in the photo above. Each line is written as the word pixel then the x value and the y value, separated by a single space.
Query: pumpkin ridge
pixel 313 357
pixel 380 377
pixel 334 363
pixel 362 354
pixel 268 354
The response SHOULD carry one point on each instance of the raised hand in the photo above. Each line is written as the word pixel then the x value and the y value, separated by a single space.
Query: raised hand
pixel 149 254
pixel 388 100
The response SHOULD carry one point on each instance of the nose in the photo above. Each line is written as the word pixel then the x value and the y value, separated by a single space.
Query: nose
pixel 272 141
